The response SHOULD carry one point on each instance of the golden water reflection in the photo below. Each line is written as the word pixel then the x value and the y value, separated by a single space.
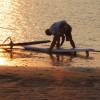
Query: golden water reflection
pixel 26 21
pixel 5 18
pixel 2 61
pixel 6 3
pixel 5 59
pixel 34 59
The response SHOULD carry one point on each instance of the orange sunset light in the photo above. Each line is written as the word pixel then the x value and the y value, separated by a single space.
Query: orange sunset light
pixel 2 61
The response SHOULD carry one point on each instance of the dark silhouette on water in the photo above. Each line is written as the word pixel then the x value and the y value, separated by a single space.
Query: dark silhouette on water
pixel 60 30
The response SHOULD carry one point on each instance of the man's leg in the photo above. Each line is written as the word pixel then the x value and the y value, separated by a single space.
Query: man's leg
pixel 58 43
pixel 72 43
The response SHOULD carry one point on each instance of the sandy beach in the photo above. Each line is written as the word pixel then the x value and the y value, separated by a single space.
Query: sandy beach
pixel 49 83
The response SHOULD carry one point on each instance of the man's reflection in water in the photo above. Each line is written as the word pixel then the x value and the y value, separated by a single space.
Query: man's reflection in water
pixel 61 60
pixel 66 60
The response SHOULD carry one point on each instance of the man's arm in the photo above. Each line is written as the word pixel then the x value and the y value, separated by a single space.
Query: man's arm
pixel 53 43
pixel 71 41
pixel 63 39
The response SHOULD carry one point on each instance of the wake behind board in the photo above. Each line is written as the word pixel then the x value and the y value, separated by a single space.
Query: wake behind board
pixel 59 51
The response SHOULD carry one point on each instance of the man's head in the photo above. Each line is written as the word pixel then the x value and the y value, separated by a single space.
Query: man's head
pixel 48 32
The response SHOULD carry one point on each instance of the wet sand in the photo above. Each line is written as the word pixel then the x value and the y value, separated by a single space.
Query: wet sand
pixel 49 83
pixel 38 76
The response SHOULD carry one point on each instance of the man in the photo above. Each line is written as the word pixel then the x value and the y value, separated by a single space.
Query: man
pixel 60 30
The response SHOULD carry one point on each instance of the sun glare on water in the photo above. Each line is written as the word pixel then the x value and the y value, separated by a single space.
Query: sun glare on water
pixel 5 19
pixel 2 61
pixel 6 3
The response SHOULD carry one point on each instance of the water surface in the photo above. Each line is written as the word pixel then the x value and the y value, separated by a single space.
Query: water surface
pixel 26 20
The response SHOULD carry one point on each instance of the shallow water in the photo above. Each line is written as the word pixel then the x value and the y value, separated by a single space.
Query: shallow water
pixel 26 20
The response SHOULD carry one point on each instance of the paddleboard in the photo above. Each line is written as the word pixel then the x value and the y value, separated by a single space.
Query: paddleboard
pixel 59 51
